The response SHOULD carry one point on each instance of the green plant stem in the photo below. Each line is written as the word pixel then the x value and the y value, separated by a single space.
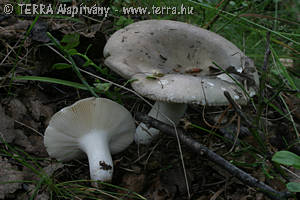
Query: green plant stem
pixel 263 80
pixel 75 68
pixel 18 53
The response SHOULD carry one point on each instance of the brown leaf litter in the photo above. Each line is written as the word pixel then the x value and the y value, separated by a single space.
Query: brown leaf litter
pixel 9 173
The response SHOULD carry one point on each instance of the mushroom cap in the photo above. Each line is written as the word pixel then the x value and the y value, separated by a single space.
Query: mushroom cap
pixel 101 115
pixel 174 62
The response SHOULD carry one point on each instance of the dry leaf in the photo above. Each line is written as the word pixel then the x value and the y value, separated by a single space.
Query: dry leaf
pixel 9 173
pixel 6 127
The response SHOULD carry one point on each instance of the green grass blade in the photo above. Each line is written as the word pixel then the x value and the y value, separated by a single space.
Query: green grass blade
pixel 53 80
pixel 19 51
pixel 69 57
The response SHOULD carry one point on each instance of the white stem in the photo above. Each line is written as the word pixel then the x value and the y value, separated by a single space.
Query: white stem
pixel 95 145
pixel 174 111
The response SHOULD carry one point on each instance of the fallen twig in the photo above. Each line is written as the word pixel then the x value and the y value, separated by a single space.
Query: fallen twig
pixel 236 108
pixel 202 150
pixel 249 122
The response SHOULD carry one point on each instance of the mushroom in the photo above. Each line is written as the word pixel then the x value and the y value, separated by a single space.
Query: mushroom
pixel 175 64
pixel 98 127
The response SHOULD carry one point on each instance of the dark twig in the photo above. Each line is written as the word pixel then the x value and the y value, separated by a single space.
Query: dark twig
pixel 238 110
pixel 202 150
pixel 261 92
pixel 263 78
pixel 252 127
pixel 267 53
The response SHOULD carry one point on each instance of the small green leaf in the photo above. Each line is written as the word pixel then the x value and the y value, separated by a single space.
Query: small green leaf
pixel 232 3
pixel 287 158
pixel 53 80
pixel 158 74
pixel 151 77
pixel 123 21
pixel 293 187
pixel 70 41
pixel 61 66
pixel 155 75
pixel 102 86
pixel 131 81
pixel 72 51
pixel 87 63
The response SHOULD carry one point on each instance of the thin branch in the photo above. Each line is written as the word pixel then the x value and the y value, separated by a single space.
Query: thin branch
pixel 263 78
pixel 203 150
pixel 238 110
pixel 249 122
pixel 267 53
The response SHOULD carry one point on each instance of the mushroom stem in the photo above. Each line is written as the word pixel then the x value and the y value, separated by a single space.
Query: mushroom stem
pixel 174 111
pixel 96 147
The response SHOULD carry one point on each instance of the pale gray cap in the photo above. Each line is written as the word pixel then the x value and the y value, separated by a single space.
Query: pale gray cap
pixel 173 62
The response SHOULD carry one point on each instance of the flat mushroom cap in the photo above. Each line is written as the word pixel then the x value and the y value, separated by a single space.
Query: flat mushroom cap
pixel 102 115
pixel 174 62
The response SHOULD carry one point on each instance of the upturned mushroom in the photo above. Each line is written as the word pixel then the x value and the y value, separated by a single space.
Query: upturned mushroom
pixel 98 127
pixel 175 64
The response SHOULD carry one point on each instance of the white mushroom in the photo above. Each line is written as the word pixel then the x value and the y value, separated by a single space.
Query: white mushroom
pixel 173 111
pixel 98 127
pixel 175 62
